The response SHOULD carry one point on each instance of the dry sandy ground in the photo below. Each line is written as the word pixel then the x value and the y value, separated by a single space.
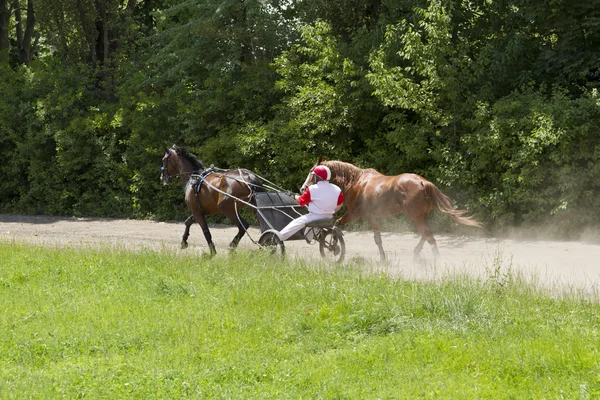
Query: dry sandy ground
pixel 572 266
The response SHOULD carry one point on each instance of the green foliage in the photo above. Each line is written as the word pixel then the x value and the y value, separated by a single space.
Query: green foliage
pixel 13 110
pixel 530 158
pixel 495 102
pixel 67 155
pixel 317 108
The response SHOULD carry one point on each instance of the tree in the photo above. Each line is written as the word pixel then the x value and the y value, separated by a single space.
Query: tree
pixel 25 31
pixel 5 13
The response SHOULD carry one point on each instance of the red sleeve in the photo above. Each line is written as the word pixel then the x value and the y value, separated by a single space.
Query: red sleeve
pixel 304 199
pixel 340 198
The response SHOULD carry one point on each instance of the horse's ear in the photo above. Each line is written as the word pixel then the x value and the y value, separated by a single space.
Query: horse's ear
pixel 320 160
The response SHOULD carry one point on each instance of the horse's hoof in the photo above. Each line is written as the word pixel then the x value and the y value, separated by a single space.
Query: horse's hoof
pixel 184 245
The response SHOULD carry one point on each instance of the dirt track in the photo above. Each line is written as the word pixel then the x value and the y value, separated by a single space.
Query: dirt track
pixel 557 264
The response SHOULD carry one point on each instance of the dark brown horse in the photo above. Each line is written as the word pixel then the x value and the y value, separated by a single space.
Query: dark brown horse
pixel 372 196
pixel 209 191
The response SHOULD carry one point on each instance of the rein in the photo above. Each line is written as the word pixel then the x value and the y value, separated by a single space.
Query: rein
pixel 201 174
pixel 220 171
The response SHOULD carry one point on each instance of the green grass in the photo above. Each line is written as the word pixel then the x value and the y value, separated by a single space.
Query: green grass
pixel 106 323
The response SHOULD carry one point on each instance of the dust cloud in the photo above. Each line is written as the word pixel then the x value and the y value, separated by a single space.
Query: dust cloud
pixel 561 265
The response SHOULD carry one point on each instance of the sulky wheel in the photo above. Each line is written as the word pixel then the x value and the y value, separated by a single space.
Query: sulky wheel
pixel 272 241
pixel 332 245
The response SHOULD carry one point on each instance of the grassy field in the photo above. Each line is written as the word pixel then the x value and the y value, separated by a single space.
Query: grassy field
pixel 106 323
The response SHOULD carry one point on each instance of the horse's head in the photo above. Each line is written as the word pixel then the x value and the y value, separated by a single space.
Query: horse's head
pixel 177 162
pixel 311 178
pixel 169 165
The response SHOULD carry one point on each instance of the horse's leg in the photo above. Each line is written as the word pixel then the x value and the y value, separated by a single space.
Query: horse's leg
pixel 419 246
pixel 350 215
pixel 228 208
pixel 199 217
pixel 379 243
pixel 417 209
pixel 426 235
pixel 376 228
pixel 242 227
pixel 188 223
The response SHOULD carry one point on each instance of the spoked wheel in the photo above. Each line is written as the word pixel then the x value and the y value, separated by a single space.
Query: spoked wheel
pixel 272 241
pixel 332 245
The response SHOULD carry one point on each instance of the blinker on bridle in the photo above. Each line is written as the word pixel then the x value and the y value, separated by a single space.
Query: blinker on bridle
pixel 164 170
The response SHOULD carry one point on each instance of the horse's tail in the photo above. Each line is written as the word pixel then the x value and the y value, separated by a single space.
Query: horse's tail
pixel 444 204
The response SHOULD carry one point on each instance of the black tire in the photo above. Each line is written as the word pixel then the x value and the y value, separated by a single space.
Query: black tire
pixel 332 245
pixel 272 241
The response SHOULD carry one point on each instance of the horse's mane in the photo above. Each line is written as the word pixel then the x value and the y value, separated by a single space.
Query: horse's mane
pixel 197 164
pixel 343 173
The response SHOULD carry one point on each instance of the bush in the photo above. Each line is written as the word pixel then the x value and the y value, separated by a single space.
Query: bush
pixel 530 159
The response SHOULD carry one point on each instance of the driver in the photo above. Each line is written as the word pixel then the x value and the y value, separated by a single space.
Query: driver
pixel 323 199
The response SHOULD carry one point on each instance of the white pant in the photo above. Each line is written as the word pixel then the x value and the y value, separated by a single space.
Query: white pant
pixel 296 224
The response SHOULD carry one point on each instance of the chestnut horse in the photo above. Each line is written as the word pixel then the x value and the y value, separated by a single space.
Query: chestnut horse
pixel 209 191
pixel 372 196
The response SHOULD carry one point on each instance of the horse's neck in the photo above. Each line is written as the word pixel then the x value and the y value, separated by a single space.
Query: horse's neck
pixel 346 175
pixel 185 170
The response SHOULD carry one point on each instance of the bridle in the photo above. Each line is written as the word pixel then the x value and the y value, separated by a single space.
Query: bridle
pixel 310 179
pixel 164 170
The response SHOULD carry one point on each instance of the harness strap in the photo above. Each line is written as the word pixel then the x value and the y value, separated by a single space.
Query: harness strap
pixel 196 181
pixel 199 179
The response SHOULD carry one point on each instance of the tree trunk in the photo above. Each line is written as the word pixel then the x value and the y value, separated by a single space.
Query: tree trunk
pixel 102 41
pixel 26 47
pixel 18 25
pixel 4 21
pixel 24 38
pixel 88 31
pixel 247 50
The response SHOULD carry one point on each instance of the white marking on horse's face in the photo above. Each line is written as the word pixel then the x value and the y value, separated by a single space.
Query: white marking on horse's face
pixel 307 182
